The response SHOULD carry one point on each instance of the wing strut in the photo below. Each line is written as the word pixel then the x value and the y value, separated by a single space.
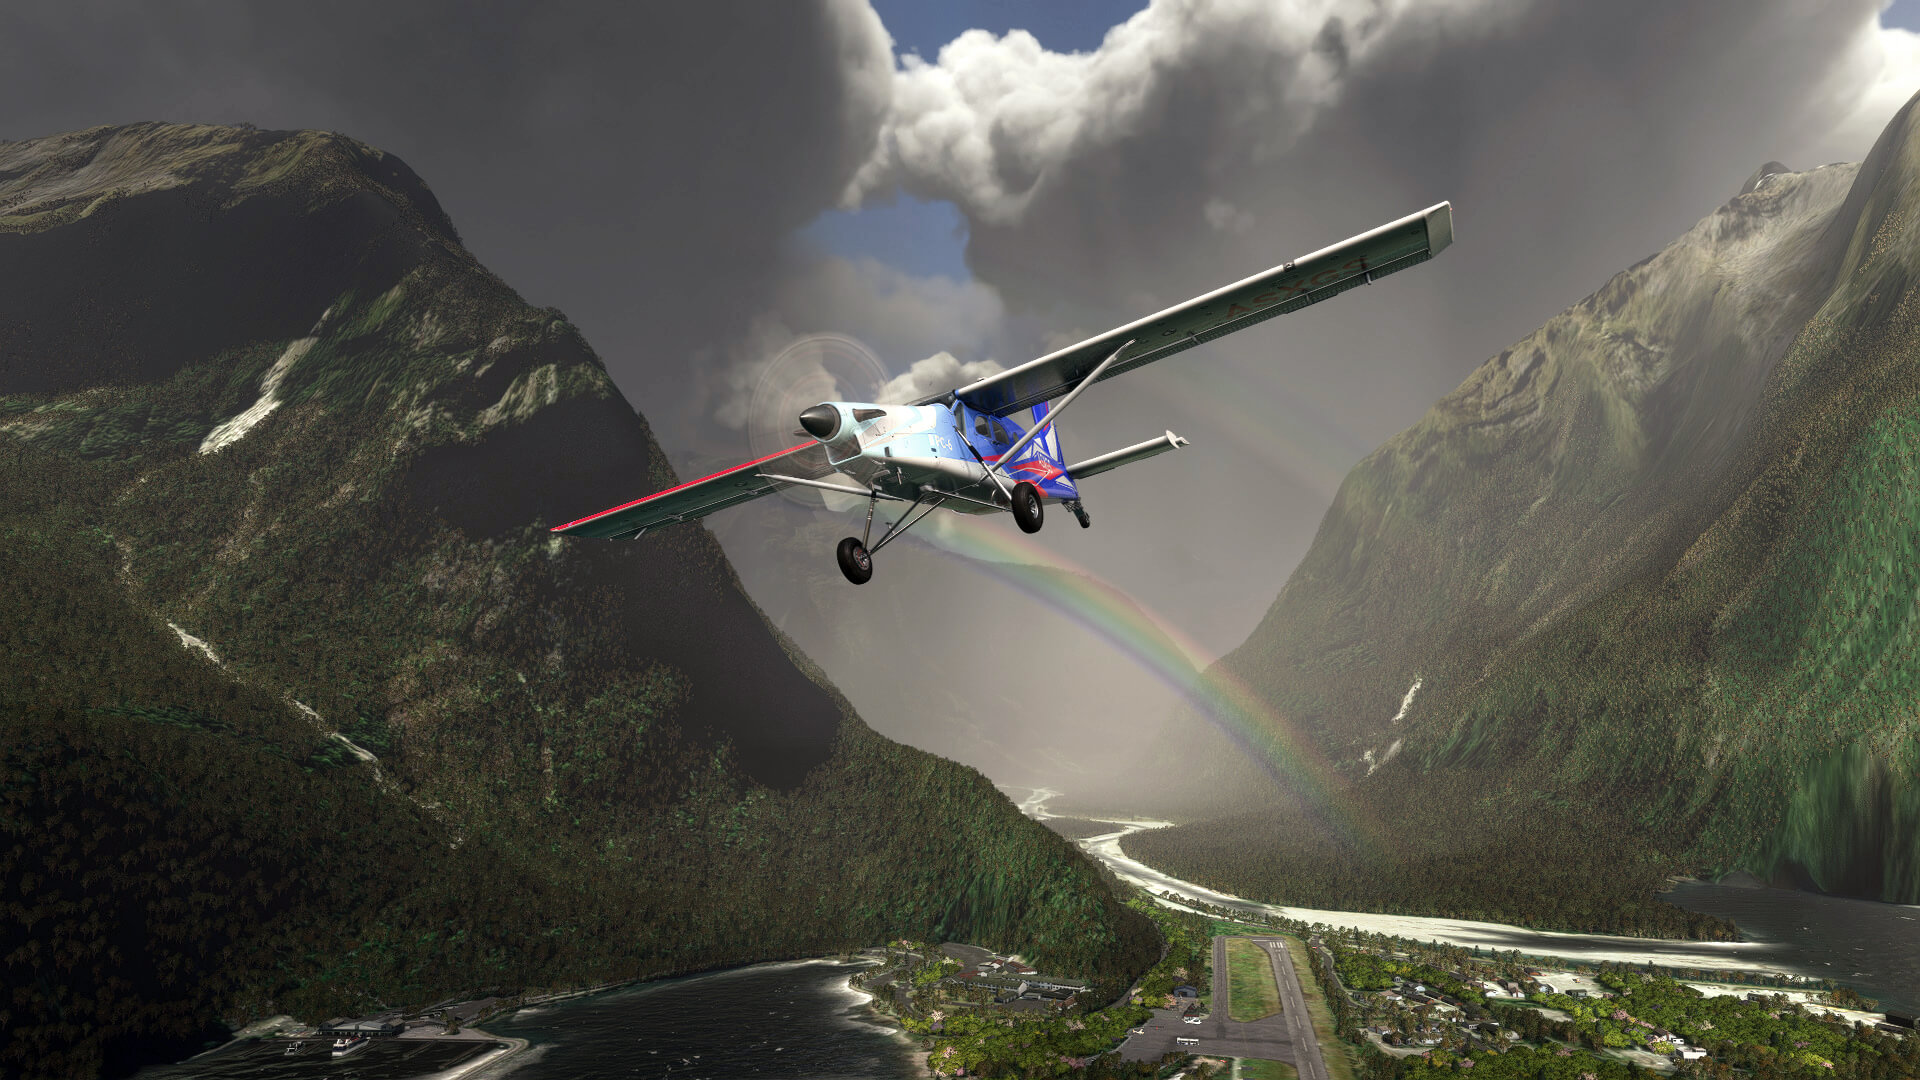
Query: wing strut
pixel 862 493
pixel 991 475
pixel 1054 413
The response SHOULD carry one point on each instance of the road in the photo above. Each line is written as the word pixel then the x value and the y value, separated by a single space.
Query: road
pixel 1307 1057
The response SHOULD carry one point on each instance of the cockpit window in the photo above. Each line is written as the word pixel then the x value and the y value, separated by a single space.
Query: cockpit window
pixel 980 426
pixel 999 433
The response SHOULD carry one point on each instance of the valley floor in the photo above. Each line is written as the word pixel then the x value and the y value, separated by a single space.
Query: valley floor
pixel 1730 957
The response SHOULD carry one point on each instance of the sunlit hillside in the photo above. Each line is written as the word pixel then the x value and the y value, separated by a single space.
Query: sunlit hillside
pixel 1652 573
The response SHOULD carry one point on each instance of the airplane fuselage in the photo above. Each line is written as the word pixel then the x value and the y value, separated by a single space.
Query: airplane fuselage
pixel 913 450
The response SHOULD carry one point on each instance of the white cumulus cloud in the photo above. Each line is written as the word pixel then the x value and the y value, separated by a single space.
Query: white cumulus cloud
pixel 935 375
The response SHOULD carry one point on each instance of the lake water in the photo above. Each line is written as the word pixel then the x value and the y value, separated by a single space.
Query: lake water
pixel 795 1020
pixel 1873 948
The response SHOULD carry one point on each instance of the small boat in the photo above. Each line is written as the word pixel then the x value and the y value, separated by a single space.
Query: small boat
pixel 293 1049
pixel 344 1046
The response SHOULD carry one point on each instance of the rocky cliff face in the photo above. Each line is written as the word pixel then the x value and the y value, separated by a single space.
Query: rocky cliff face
pixel 1653 563
pixel 1577 459
pixel 312 714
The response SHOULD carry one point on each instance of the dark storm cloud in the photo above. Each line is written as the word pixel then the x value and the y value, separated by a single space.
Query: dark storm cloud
pixel 1572 138
pixel 637 165
pixel 1207 140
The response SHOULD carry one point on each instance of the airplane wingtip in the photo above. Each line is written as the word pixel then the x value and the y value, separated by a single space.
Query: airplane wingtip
pixel 1439 219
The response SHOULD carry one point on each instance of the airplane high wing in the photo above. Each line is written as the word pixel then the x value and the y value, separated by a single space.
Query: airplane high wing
pixel 698 498
pixel 992 446
pixel 1307 280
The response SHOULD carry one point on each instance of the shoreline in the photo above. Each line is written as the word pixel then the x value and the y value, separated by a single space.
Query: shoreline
pixel 481 1068
pixel 477 1068
pixel 916 1053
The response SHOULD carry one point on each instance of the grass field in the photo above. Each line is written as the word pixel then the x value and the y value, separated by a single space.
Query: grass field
pixel 1263 1069
pixel 1251 991
pixel 1339 1058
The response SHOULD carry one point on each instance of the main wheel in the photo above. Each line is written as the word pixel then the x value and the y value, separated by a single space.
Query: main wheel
pixel 855 562
pixel 1028 510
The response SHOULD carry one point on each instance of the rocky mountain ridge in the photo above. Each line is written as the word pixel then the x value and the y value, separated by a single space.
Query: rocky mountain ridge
pixel 313 715
pixel 1647 570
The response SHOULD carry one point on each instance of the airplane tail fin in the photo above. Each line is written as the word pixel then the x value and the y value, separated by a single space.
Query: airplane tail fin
pixel 1051 478
pixel 1049 441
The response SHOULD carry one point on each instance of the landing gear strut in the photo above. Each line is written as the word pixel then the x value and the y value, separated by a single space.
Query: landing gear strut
pixel 1028 510
pixel 1079 511
pixel 856 561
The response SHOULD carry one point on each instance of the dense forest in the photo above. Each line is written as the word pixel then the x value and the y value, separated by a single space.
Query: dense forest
pixel 1752 1034
pixel 306 712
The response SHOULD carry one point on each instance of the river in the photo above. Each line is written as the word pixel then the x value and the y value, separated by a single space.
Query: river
pixel 1870 947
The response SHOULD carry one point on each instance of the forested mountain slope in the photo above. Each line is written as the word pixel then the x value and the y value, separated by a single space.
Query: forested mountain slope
pixel 304 709
pixel 1653 570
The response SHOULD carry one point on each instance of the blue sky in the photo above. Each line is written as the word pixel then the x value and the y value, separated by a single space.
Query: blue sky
pixel 921 238
pixel 928 238
pixel 1904 14
pixel 1061 25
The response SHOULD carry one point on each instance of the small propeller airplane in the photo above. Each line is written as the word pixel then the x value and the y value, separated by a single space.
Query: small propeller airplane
pixel 966 451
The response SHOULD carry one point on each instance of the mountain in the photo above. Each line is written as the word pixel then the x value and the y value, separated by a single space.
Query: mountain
pixel 307 710
pixel 1647 576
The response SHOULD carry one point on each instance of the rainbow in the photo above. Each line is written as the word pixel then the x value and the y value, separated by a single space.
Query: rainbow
pixel 1171 655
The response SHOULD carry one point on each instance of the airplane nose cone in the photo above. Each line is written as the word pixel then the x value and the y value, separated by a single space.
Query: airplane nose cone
pixel 822 422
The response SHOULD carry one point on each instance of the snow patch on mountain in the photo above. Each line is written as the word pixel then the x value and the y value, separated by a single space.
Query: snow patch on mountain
pixel 356 749
pixel 1392 749
pixel 192 642
pixel 1406 702
pixel 231 432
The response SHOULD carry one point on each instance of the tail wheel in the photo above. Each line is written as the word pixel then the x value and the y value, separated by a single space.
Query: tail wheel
pixel 855 561
pixel 1027 508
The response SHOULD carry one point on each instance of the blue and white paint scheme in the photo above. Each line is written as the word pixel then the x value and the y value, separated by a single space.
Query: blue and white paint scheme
pixel 993 446
pixel 905 450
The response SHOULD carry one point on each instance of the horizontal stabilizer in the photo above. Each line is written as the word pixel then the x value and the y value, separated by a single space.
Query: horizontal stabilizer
pixel 1137 452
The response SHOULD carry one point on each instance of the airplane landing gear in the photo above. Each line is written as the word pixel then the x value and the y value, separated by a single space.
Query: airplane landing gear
pixel 855 561
pixel 1027 507
pixel 1079 511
